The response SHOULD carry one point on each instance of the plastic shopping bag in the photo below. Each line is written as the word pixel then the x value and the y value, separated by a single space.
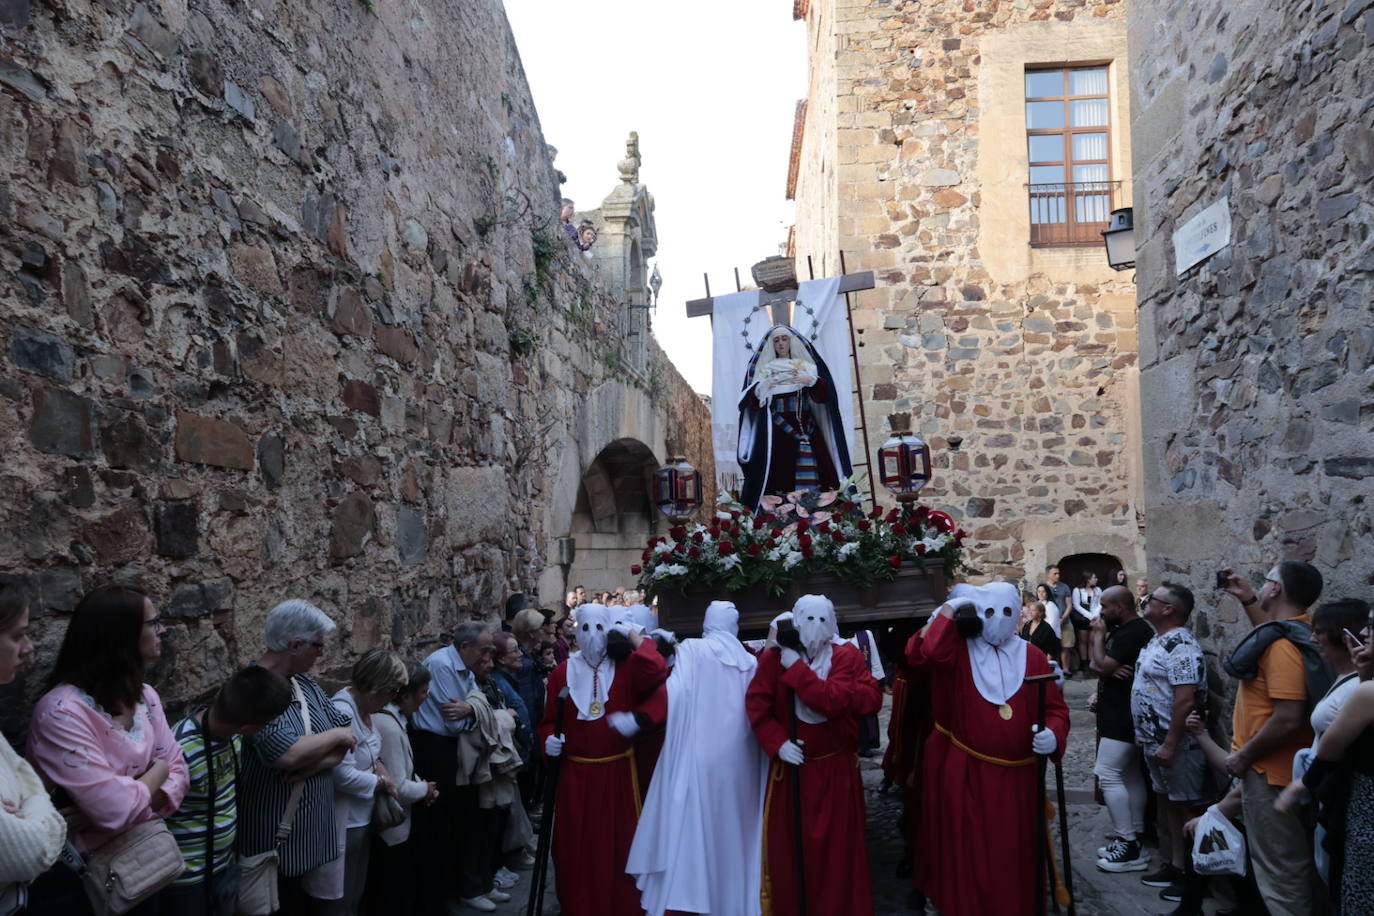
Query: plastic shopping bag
pixel 1218 846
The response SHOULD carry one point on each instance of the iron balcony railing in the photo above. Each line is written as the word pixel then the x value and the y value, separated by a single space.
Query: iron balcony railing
pixel 1070 214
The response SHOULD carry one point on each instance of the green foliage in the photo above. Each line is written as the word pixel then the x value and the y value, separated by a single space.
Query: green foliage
pixel 532 287
pixel 545 246
pixel 523 342
pixel 492 168
pixel 506 101
pixel 484 224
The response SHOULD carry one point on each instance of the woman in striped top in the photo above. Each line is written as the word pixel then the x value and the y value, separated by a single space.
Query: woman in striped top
pixel 286 752
pixel 211 742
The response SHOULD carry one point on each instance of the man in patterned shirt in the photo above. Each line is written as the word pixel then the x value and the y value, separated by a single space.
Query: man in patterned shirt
pixel 210 742
pixel 1170 682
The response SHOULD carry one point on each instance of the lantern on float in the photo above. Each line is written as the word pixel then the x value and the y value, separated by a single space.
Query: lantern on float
pixel 904 460
pixel 677 489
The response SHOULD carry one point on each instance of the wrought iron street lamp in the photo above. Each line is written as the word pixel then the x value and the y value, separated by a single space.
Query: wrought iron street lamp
pixel 677 490
pixel 1119 237
pixel 904 460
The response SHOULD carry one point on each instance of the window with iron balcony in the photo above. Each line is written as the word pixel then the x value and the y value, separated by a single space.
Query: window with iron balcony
pixel 1068 142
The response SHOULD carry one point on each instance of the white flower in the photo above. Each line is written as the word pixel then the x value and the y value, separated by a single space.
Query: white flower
pixel 671 569
pixel 724 516
pixel 935 543
pixel 846 549
pixel 665 547
pixel 730 561
pixel 775 554
pixel 793 558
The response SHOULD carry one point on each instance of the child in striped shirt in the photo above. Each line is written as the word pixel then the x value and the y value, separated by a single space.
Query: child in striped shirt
pixel 210 741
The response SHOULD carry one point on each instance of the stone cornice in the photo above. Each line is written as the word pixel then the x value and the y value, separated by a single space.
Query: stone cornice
pixel 794 160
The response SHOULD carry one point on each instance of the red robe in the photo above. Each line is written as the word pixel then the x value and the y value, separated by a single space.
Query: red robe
pixel 834 851
pixel 598 793
pixel 976 847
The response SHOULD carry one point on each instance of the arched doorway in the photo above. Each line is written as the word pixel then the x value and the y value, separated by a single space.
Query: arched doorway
pixel 1105 565
pixel 613 516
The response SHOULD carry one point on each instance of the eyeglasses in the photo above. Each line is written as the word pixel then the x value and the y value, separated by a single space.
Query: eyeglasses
pixel 155 623
pixel 1159 601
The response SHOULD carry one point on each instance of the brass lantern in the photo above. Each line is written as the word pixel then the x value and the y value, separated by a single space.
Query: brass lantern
pixel 903 460
pixel 677 489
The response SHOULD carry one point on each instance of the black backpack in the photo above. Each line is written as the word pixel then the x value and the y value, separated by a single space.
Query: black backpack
pixel 1243 662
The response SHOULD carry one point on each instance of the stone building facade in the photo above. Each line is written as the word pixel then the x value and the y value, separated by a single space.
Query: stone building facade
pixel 996 318
pixel 1259 426
pixel 287 313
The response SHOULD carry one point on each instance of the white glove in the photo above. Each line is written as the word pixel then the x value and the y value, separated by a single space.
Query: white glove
pixel 1059 675
pixel 789 657
pixel 791 752
pixel 623 722
pixel 553 745
pixel 955 603
pixel 1044 742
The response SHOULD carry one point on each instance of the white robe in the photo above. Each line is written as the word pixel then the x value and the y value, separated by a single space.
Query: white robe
pixel 698 845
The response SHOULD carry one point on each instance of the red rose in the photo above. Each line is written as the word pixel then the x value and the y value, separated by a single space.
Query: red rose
pixel 725 549
pixel 770 543
pixel 636 569
pixel 734 513
pixel 863 524
pixel 806 552
pixel 960 534
pixel 693 553
pixel 899 528
pixel 802 525
pixel 644 557
pixel 734 532
pixel 894 561
pixel 920 550
pixel 678 532
pixel 755 550
pixel 837 535
pixel 893 515
pixel 823 527
pixel 759 522
pixel 847 506
pixel 877 513
pixel 698 537
pixel 922 512
pixel 804 541
pixel 679 547
pixel 776 532
pixel 715 530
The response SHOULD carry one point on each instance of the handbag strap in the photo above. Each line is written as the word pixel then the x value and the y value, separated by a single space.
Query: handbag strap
pixel 288 815
pixel 210 818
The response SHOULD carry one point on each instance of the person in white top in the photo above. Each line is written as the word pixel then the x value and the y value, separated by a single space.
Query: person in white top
pixel 1087 607
pixel 376 678
pixel 1330 622
pixel 31 830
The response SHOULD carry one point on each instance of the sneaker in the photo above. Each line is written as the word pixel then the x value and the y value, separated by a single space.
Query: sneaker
pixel 1104 851
pixel 526 860
pixel 1173 893
pixel 505 878
pixel 1124 855
pixel 1166 876
pixel 481 904
pixel 497 896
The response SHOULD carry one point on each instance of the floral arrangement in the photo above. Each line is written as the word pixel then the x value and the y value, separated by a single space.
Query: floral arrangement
pixel 798 535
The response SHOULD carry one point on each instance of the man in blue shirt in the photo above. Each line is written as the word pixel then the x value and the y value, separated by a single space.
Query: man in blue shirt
pixel 439 829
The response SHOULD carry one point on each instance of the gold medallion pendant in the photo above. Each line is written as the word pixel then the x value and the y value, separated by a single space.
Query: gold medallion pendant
pixel 1005 711
pixel 595 710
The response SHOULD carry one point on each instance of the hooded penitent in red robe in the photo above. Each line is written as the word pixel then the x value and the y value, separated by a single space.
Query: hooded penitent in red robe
pixel 834 852
pixel 599 796
pixel 975 852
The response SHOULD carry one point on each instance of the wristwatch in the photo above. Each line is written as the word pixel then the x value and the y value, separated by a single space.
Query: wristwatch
pixel 1251 600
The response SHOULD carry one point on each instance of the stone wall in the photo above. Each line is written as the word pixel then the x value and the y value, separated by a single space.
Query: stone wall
pixel 287 315
pixel 913 162
pixel 1257 408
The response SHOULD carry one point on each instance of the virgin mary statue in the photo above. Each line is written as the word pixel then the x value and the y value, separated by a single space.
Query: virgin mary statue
pixel 791 436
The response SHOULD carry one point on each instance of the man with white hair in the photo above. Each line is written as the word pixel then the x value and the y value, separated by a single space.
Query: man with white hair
pixel 975 852
pixel 290 761
pixel 614 690
pixel 804 704
pixel 697 849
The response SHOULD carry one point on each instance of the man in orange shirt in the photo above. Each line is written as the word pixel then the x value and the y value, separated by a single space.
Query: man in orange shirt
pixel 1269 725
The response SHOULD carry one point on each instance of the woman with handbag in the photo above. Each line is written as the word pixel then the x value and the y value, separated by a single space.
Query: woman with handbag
pixel 100 737
pixel 361 780
pixel 31 831
pixel 393 871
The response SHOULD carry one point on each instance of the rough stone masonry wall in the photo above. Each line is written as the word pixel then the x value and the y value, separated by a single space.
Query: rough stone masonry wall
pixel 916 126
pixel 1255 366
pixel 284 317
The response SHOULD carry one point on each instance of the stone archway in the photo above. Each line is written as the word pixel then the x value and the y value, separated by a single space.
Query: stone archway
pixel 613 515
pixel 1105 565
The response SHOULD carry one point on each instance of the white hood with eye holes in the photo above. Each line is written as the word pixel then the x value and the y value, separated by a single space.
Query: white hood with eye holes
pixel 590 672
pixel 998 656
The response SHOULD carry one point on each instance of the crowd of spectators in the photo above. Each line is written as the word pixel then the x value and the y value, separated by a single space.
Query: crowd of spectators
pixel 413 789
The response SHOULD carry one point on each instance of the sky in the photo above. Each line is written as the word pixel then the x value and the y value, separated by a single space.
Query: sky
pixel 711 86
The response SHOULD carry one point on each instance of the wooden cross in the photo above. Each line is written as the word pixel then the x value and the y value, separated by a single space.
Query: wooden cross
pixel 778 288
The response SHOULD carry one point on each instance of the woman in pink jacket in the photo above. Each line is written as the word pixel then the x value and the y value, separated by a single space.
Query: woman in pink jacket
pixel 100 737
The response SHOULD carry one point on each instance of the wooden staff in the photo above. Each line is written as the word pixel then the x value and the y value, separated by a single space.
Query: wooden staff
pixel 539 878
pixel 798 843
